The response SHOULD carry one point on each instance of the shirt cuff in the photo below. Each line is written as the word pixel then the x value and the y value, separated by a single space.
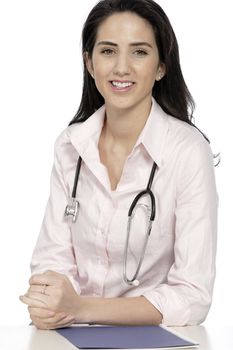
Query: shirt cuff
pixel 174 309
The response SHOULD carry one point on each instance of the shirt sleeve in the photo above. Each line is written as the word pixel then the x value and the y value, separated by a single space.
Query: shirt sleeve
pixel 186 296
pixel 54 250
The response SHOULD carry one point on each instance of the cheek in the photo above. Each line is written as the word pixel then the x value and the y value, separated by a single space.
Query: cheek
pixel 103 67
pixel 103 73
pixel 150 71
pixel 146 69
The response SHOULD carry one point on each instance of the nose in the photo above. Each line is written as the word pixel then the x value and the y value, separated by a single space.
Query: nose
pixel 122 65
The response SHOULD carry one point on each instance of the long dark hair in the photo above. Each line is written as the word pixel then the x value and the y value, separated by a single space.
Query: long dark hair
pixel 171 91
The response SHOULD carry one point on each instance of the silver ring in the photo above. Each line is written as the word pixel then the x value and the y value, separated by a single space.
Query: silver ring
pixel 43 289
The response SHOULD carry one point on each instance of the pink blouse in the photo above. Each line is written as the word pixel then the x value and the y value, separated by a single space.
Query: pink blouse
pixel 178 270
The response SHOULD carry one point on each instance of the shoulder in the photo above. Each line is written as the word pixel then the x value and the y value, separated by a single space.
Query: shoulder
pixel 64 137
pixel 185 140
pixel 79 135
pixel 64 150
pixel 183 133
pixel 188 153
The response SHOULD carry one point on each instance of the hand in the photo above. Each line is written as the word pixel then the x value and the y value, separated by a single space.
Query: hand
pixel 46 319
pixel 52 301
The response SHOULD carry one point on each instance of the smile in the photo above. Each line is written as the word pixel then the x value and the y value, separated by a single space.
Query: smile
pixel 121 85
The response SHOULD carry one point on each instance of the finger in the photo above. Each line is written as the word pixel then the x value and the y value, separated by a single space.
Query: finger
pixel 42 297
pixel 58 321
pixel 33 302
pixel 57 318
pixel 65 322
pixel 40 324
pixel 42 279
pixel 68 321
pixel 41 289
pixel 49 277
pixel 40 313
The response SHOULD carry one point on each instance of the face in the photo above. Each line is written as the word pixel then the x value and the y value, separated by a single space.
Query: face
pixel 125 61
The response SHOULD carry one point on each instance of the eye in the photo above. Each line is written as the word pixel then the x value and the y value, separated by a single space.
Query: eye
pixel 107 52
pixel 141 52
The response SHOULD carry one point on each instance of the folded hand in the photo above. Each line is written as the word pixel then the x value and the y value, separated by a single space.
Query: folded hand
pixel 52 301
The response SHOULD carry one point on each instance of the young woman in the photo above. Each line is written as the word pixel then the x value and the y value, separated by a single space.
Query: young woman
pixel 132 135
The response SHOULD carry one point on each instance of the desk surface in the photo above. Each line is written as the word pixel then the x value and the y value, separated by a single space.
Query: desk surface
pixel 29 338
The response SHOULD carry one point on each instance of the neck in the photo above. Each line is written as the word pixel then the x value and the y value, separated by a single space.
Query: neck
pixel 123 126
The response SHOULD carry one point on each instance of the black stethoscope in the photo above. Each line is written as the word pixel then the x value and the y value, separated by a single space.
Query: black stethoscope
pixel 72 210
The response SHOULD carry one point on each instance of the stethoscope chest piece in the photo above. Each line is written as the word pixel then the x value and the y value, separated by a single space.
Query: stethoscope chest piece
pixel 72 209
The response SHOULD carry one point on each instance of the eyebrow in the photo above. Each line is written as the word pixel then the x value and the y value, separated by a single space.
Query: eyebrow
pixel 139 43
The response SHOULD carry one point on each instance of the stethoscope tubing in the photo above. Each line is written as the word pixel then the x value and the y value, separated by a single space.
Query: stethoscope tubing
pixel 136 199
pixel 72 210
pixel 77 172
pixel 134 278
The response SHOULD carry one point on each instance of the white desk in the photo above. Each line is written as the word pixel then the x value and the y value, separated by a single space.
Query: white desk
pixel 29 338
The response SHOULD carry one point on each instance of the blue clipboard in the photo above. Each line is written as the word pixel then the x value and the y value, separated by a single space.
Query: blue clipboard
pixel 123 337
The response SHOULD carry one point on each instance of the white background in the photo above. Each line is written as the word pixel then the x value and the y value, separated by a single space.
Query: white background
pixel 40 90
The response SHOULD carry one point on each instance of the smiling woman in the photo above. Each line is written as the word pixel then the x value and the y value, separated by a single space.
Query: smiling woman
pixel 139 154
pixel 131 53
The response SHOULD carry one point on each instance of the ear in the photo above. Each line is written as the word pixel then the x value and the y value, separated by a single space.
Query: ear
pixel 161 71
pixel 88 63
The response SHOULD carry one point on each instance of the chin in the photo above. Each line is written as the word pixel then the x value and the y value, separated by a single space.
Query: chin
pixel 121 102
pixel 120 106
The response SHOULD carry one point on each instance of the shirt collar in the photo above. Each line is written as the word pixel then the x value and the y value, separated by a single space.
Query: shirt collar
pixel 154 133
pixel 152 137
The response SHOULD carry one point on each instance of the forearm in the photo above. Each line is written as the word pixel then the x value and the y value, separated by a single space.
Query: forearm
pixel 117 311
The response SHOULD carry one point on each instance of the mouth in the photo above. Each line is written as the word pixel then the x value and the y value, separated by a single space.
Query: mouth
pixel 118 85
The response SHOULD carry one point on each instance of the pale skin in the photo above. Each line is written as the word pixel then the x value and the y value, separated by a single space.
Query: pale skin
pixel 126 114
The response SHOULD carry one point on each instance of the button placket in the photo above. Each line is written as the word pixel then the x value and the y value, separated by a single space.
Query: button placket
pixel 101 267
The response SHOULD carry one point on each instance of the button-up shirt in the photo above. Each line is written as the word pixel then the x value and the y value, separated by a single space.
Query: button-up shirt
pixel 178 269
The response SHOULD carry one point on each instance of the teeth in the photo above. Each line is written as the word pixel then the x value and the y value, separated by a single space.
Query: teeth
pixel 121 85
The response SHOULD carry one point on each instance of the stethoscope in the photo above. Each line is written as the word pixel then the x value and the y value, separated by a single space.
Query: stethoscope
pixel 72 210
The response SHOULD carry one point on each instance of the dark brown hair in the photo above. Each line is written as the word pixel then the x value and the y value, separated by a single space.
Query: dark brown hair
pixel 171 91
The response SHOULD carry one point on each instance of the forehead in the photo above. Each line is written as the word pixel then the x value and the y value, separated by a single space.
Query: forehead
pixel 125 26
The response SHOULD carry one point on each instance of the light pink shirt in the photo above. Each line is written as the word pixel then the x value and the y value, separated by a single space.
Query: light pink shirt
pixel 178 270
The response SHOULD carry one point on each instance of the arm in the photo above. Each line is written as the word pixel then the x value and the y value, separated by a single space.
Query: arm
pixel 53 250
pixel 120 311
pixel 186 297
pixel 61 299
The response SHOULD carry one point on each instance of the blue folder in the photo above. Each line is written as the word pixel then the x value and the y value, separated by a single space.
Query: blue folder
pixel 122 337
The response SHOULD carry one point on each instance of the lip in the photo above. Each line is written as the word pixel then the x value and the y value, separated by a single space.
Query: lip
pixel 122 81
pixel 125 89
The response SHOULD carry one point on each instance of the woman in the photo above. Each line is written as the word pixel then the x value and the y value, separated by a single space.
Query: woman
pixel 134 120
